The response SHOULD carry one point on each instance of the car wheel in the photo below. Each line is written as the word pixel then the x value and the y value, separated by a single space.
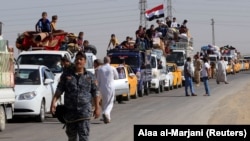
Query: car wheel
pixel 141 92
pixel 127 97
pixel 136 93
pixel 161 87
pixel 2 119
pixel 168 87
pixel 157 90
pixel 171 87
pixel 180 84
pixel 41 116
pixel 147 89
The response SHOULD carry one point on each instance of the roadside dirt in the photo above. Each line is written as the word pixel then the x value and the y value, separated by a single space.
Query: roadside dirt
pixel 233 109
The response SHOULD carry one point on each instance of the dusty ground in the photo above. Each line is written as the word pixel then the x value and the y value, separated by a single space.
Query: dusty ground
pixel 234 109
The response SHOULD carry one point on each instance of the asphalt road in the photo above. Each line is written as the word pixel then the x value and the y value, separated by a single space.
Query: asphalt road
pixel 169 107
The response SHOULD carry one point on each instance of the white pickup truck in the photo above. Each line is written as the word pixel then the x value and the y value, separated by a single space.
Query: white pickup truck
pixel 7 95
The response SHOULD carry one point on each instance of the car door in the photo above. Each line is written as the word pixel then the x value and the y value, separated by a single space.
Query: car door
pixel 121 84
pixel 132 80
pixel 48 88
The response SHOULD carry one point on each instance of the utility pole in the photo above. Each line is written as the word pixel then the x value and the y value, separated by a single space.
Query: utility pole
pixel 142 7
pixel 213 38
pixel 169 9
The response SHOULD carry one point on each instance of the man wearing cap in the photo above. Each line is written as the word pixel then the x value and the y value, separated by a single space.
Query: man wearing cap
pixel 79 87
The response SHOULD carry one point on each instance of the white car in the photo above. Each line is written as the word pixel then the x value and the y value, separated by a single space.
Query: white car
pixel 121 84
pixel 34 89
pixel 169 79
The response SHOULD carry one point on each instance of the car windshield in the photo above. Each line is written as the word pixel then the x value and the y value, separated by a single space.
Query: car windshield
pixel 121 72
pixel 153 62
pixel 176 57
pixel 52 61
pixel 132 61
pixel 171 68
pixel 27 77
pixel 212 58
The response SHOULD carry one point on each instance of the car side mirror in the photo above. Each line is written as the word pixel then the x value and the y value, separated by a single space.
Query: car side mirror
pixel 48 81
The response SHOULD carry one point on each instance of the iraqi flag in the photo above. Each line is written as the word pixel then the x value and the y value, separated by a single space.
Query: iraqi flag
pixel 155 13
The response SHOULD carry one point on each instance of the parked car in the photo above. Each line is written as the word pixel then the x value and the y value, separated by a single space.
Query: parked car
pixel 169 79
pixel 176 73
pixel 237 66
pixel 229 68
pixel 34 89
pixel 126 78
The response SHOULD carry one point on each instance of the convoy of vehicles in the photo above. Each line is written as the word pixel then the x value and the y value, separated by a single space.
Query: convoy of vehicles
pixel 37 72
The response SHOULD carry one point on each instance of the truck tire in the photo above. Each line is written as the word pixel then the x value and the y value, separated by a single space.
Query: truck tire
pixel 2 118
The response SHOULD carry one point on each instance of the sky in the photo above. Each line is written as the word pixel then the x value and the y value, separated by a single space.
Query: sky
pixel 98 19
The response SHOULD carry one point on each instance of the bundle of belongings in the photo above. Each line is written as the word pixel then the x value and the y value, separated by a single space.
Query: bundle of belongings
pixel 40 40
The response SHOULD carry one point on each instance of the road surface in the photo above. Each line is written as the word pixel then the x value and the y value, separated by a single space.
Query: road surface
pixel 170 107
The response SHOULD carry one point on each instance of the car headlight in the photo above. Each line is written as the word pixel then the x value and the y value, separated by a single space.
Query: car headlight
pixel 27 96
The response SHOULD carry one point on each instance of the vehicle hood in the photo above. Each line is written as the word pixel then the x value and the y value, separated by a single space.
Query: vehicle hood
pixel 20 89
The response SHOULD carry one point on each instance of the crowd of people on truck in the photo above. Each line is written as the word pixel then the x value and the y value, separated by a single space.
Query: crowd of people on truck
pixel 161 36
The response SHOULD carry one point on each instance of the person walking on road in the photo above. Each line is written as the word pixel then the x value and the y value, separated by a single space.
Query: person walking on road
pixel 197 70
pixel 221 72
pixel 205 74
pixel 105 78
pixel 78 86
pixel 97 64
pixel 189 73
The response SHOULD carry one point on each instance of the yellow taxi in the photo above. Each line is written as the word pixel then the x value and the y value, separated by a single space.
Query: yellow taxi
pixel 229 68
pixel 177 81
pixel 126 73
pixel 236 67
pixel 246 64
